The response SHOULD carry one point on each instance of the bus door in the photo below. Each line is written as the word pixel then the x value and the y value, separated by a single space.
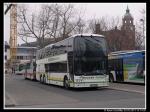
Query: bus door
pixel 118 66
pixel 70 65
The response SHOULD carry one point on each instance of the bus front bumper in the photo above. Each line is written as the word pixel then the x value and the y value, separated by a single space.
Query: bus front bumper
pixel 90 85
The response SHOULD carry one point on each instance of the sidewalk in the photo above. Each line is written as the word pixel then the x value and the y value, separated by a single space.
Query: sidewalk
pixel 9 102
pixel 9 75
pixel 127 87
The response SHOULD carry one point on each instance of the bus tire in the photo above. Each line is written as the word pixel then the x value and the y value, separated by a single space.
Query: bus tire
pixel 66 84
pixel 111 78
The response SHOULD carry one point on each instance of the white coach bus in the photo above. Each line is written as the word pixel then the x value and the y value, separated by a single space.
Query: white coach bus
pixel 78 61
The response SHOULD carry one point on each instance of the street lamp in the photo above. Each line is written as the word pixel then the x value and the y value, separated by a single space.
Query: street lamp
pixel 142 20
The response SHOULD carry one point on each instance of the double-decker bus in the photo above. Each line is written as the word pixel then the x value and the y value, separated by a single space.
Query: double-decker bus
pixel 127 66
pixel 77 61
pixel 30 70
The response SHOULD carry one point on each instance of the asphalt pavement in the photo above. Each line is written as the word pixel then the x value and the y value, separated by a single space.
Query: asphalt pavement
pixel 128 87
pixel 20 93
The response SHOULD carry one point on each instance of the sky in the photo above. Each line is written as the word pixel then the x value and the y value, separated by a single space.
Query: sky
pixel 91 10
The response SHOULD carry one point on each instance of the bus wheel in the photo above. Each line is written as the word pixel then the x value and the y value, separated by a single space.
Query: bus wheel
pixel 111 79
pixel 66 83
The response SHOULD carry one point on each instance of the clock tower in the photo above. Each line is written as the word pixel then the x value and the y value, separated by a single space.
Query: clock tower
pixel 128 29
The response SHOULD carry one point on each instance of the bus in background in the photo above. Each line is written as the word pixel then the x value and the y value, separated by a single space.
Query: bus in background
pixel 30 70
pixel 78 61
pixel 19 69
pixel 127 66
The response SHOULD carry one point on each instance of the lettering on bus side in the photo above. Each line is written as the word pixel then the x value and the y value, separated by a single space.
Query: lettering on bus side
pixel 54 51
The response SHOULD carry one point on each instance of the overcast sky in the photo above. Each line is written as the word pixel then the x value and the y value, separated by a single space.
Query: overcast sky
pixel 91 10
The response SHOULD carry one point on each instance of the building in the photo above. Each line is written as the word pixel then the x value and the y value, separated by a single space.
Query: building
pixel 120 39
pixel 128 28
pixel 7 52
pixel 24 53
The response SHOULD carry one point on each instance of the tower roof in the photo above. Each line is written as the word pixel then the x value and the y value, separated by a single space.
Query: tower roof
pixel 127 14
pixel 127 10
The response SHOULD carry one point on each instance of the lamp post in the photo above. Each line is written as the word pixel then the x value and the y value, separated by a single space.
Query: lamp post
pixel 142 20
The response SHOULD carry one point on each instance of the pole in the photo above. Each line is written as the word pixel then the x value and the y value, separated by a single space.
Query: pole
pixel 143 22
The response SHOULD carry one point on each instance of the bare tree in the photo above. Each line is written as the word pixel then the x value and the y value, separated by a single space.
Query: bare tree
pixel 109 28
pixel 140 31
pixel 91 26
pixel 138 40
pixel 25 30
pixel 56 20
pixel 103 23
pixel 39 27
pixel 53 21
pixel 69 21
pixel 80 26
pixel 112 22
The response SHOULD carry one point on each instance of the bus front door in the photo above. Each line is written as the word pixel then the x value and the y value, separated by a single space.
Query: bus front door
pixel 119 70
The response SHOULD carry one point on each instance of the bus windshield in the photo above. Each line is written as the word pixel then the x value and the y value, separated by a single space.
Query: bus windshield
pixel 21 67
pixel 90 55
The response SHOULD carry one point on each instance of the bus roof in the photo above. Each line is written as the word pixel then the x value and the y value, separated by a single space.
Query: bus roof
pixel 125 52
pixel 87 34
pixel 84 34
pixel 27 47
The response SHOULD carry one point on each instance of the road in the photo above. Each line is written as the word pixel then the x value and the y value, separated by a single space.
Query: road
pixel 29 94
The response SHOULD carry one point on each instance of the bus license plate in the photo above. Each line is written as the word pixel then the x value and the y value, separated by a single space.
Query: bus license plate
pixel 93 85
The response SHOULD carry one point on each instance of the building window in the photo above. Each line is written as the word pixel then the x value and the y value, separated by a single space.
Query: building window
pixel 24 57
pixel 28 57
pixel 5 57
pixel 18 57
pixel 21 57
pixel 5 50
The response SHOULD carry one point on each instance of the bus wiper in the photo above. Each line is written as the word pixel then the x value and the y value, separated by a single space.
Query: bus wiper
pixel 93 39
pixel 100 72
pixel 97 40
